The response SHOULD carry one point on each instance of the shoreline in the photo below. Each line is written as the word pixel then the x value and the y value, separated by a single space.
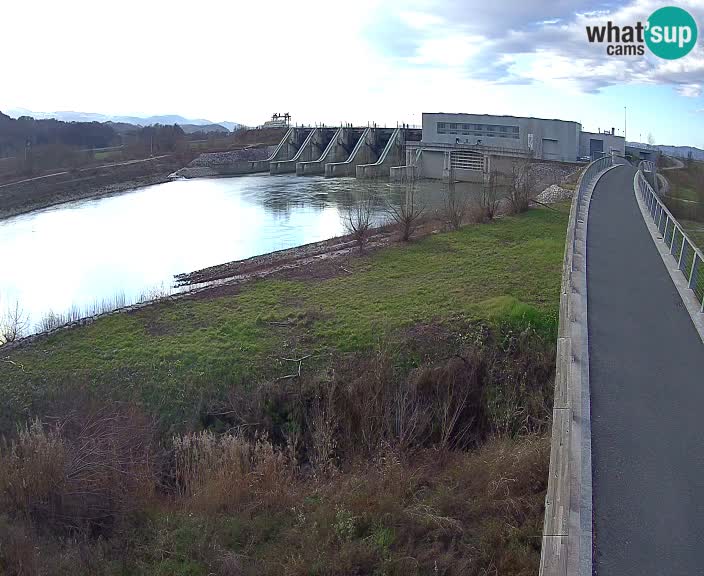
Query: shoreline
pixel 101 191
pixel 322 259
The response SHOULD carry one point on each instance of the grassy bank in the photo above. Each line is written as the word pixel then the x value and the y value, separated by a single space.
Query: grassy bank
pixel 175 355
pixel 388 416
pixel 686 198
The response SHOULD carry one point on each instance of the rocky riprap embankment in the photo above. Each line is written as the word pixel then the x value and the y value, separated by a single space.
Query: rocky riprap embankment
pixel 218 163
pixel 554 194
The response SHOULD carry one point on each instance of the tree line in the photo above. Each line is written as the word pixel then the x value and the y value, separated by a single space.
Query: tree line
pixel 38 145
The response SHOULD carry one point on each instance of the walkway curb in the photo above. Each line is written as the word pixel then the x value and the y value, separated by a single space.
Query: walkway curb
pixel 567 529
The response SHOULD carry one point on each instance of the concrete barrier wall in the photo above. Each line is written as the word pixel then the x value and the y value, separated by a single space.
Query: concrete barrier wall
pixel 338 150
pixel 287 148
pixel 305 152
pixel 365 152
pixel 360 154
pixel 263 165
pixel 405 173
pixel 567 528
pixel 390 156
pixel 393 155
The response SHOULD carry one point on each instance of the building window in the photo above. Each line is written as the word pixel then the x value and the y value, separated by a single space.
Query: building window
pixel 480 130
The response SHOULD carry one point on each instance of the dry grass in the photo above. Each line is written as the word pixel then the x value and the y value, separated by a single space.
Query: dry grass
pixel 217 473
pixel 368 466
pixel 83 472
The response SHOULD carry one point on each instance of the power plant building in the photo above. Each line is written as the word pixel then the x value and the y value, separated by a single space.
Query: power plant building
pixel 473 144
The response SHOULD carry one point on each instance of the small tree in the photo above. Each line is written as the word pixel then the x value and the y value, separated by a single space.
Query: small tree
pixel 407 213
pixel 357 219
pixel 489 199
pixel 522 184
pixel 455 204
pixel 13 324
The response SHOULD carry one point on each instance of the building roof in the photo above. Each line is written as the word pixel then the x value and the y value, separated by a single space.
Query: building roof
pixel 603 134
pixel 503 116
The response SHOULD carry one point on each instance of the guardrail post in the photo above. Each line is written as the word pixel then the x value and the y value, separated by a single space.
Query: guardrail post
pixel 693 272
pixel 682 252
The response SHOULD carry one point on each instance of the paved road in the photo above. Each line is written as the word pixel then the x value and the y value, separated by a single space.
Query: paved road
pixel 646 364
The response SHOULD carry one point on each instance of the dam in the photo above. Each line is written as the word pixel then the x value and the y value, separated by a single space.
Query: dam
pixel 346 151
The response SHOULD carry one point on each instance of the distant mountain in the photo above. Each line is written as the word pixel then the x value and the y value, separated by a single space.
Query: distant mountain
pixel 676 151
pixel 70 116
pixel 231 125
pixel 191 128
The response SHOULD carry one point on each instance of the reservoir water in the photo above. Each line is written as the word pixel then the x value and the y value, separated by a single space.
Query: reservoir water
pixel 80 253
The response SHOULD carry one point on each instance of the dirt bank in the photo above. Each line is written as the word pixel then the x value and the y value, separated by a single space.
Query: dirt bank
pixel 323 259
pixel 34 194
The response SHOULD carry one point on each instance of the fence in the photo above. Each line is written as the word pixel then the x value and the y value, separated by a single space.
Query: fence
pixel 567 529
pixel 690 260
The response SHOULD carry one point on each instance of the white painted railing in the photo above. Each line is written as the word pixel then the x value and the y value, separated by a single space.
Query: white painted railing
pixel 690 259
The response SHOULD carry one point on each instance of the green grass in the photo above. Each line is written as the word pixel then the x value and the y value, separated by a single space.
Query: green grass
pixel 175 355
pixel 695 231
pixel 686 197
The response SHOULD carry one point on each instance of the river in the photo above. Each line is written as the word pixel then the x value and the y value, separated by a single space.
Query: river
pixel 118 248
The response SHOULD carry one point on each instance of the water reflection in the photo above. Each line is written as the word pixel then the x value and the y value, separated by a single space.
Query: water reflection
pixel 82 252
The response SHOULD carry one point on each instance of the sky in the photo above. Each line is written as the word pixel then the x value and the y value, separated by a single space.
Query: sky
pixel 328 61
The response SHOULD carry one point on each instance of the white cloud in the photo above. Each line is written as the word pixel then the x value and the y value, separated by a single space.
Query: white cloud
pixel 690 90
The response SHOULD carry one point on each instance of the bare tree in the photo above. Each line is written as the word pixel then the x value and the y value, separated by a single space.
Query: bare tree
pixel 408 212
pixel 357 219
pixel 522 185
pixel 489 198
pixel 13 324
pixel 456 205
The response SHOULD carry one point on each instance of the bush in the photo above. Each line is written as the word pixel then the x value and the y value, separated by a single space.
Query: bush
pixel 407 213
pixel 84 472
pixel 225 472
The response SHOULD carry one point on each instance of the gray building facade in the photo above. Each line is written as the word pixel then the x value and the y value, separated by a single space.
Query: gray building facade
pixel 473 144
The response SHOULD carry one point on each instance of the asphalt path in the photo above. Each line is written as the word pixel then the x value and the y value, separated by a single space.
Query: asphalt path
pixel 646 365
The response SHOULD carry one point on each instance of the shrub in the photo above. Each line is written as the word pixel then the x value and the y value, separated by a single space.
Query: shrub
pixel 228 471
pixel 407 213
pixel 83 472
pixel 357 219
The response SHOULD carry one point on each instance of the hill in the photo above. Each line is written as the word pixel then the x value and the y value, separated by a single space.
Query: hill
pixel 676 151
pixel 72 116
pixel 191 128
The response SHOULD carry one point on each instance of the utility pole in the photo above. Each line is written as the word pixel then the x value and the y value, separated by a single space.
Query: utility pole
pixel 624 123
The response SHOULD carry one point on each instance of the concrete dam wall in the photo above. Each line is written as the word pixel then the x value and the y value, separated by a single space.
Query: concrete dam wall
pixel 338 150
pixel 311 149
pixel 368 150
pixel 334 152
pixel 392 155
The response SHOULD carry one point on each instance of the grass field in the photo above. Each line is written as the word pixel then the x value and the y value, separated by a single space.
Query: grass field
pixel 415 440
pixel 686 198
pixel 175 354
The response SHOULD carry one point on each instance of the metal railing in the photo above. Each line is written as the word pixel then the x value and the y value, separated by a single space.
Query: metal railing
pixel 592 172
pixel 690 259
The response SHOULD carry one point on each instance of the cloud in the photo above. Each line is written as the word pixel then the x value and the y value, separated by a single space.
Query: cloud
pixel 508 42
pixel 690 90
